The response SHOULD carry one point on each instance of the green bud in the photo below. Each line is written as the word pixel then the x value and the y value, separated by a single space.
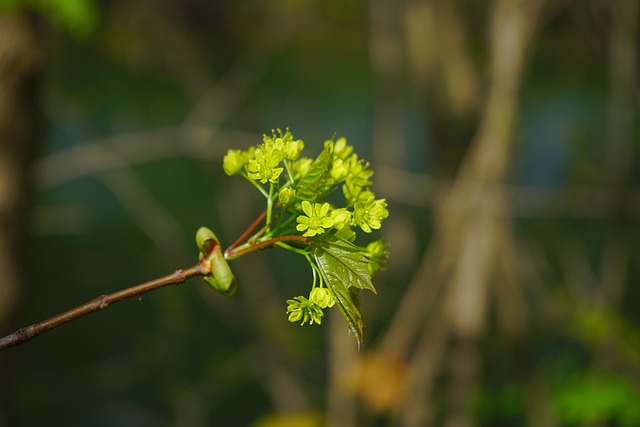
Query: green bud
pixel 341 218
pixel 300 167
pixel 225 281
pixel 339 170
pixel 234 161
pixel 377 254
pixel 221 279
pixel 293 149
pixel 342 149
pixel 206 240
pixel 286 195
pixel 321 297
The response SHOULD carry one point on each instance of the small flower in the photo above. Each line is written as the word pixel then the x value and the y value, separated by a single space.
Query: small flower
pixel 346 233
pixel 368 212
pixel 273 145
pixel 235 160
pixel 341 149
pixel 283 142
pixel 339 170
pixel 286 195
pixel 315 220
pixel 300 167
pixel 301 308
pixel 356 180
pixel 377 254
pixel 293 149
pixel 322 297
pixel 341 217
pixel 263 167
pixel 273 142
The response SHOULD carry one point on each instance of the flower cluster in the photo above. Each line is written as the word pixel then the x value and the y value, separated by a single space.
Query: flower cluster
pixel 262 164
pixel 299 214
pixel 266 163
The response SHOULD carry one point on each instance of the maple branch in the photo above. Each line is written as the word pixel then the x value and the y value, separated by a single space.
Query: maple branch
pixel 25 334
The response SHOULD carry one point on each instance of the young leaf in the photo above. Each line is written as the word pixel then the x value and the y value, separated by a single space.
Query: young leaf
pixel 314 182
pixel 345 270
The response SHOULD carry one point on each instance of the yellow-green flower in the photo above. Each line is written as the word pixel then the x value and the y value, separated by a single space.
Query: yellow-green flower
pixel 283 142
pixel 377 254
pixel 301 308
pixel 357 179
pixel 339 170
pixel 341 149
pixel 300 167
pixel 286 195
pixel 341 217
pixel 273 142
pixel 316 219
pixel 322 297
pixel 293 149
pixel 235 160
pixel 368 213
pixel 264 167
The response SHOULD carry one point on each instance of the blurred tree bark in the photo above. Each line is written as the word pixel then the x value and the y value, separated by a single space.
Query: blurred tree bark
pixel 619 152
pixel 21 66
pixel 445 76
pixel 472 231
pixel 452 284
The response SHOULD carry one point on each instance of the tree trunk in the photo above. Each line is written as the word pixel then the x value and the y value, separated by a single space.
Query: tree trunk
pixel 21 66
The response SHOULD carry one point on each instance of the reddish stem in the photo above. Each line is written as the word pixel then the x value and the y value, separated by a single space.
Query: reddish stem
pixel 231 254
pixel 249 230
pixel 245 235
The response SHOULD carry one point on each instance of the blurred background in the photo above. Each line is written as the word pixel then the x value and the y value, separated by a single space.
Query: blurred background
pixel 503 134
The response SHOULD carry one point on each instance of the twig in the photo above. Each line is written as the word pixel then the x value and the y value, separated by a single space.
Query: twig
pixel 99 303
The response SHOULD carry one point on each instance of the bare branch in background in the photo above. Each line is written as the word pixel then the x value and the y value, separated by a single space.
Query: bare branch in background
pixel 438 51
pixel 470 225
pixel 342 362
pixel 474 237
pixel 619 149
pixel 521 201
pixel 385 50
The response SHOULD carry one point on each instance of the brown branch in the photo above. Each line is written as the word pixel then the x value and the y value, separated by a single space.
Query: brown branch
pixel 99 303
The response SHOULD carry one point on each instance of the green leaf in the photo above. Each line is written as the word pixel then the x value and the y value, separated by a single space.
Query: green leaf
pixel 317 179
pixel 345 270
